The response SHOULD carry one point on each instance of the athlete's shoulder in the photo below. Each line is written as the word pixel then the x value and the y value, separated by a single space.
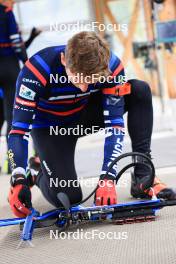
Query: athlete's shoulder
pixel 48 55
pixel 114 61
pixel 42 63
pixel 51 51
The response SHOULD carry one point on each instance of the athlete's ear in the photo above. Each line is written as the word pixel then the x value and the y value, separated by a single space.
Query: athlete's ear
pixel 63 59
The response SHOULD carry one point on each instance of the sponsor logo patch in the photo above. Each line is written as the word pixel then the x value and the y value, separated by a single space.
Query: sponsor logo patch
pixel 26 93
pixel 31 81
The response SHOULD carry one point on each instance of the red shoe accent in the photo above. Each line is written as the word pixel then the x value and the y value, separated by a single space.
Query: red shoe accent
pixel 157 187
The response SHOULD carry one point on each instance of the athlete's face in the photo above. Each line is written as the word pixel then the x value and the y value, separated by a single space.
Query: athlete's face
pixel 76 79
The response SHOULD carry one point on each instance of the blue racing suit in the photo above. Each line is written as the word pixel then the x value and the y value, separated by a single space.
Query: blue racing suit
pixel 43 99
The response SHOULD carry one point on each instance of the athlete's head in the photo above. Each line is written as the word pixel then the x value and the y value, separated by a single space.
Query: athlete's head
pixel 86 55
pixel 8 3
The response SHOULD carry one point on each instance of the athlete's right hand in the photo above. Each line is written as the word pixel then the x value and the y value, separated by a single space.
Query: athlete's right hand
pixel 106 193
pixel 20 196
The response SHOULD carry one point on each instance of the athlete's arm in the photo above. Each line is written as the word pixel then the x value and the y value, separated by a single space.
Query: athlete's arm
pixel 30 87
pixel 15 37
pixel 113 104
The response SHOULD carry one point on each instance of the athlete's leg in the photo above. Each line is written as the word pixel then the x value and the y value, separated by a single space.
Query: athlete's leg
pixel 56 153
pixel 140 124
pixel 140 115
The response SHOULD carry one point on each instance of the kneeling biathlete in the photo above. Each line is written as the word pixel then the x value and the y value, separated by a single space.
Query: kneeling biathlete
pixel 44 101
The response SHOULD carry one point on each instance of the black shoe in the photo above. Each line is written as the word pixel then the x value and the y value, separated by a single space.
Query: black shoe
pixel 136 190
pixel 141 177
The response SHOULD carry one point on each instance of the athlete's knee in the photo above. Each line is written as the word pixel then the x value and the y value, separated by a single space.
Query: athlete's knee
pixel 75 196
pixel 141 90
